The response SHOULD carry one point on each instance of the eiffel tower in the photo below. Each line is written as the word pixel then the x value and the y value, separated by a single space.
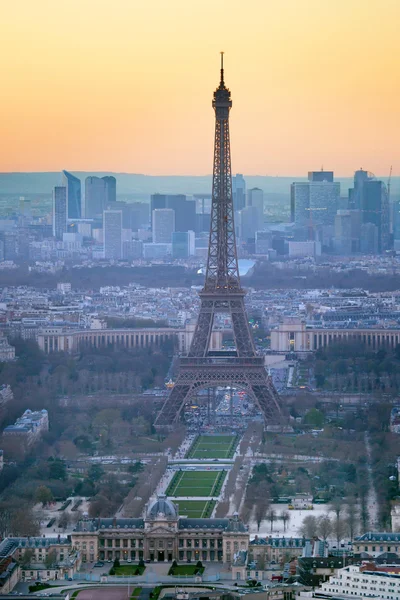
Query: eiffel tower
pixel 222 293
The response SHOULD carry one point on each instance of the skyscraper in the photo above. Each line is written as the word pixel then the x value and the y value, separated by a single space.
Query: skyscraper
pixel 185 210
pixel 110 188
pixel 112 234
pixel 248 223
pixel 370 196
pixel 95 197
pixel 183 244
pixel 318 176
pixel 314 203
pixel 163 225
pixel 238 191
pixel 59 211
pixel 343 232
pixel 255 197
pixel 74 196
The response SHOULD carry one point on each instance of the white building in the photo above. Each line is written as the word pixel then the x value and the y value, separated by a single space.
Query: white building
pixel 163 225
pixel 64 288
pixel 355 581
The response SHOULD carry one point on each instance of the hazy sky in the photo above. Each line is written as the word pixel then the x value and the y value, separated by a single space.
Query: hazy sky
pixel 126 85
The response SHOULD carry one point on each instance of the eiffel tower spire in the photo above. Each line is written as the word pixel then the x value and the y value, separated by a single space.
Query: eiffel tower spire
pixel 222 293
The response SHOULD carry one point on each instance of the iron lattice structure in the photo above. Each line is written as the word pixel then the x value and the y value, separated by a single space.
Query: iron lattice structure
pixel 222 293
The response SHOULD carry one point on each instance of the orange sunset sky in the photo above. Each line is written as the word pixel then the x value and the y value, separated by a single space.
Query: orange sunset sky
pixel 126 85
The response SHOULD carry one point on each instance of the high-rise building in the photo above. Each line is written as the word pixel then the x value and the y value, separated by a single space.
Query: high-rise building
pixel 263 242
pixel 9 239
pixel 238 191
pixel 163 225
pixel 112 234
pixel 185 210
pixel 59 211
pixel 318 176
pixel 248 223
pixel 370 196
pixel 255 197
pixel 95 197
pixel 343 232
pixel 183 244
pixel 110 188
pixel 314 203
pixel 74 195
pixel 132 249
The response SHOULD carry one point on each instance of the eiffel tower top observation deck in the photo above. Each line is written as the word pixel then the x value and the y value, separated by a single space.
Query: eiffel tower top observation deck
pixel 222 275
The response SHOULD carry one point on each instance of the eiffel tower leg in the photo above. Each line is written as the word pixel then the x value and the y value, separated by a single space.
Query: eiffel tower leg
pixel 241 330
pixel 173 405
pixel 203 331
pixel 265 396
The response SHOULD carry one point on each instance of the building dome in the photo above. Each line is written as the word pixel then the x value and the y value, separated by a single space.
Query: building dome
pixel 163 507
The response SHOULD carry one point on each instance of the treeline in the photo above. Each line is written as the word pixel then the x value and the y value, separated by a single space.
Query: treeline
pixel 91 279
pixel 133 323
pixel 355 367
pixel 267 276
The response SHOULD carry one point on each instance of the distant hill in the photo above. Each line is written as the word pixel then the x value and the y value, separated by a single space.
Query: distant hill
pixel 144 185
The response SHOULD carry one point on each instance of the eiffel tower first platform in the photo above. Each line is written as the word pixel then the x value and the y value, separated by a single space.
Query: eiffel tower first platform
pixel 222 293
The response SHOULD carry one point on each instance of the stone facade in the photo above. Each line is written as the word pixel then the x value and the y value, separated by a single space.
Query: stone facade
pixel 162 536
pixel 376 543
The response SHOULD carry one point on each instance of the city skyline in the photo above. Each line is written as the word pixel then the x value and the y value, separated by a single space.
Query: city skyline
pixel 92 101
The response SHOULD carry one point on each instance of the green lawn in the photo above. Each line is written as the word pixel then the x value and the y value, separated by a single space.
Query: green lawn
pixel 186 570
pixel 213 446
pixel 196 483
pixel 136 592
pixel 129 570
pixel 196 509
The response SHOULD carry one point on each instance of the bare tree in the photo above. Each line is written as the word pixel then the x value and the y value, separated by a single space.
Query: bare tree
pixel 271 516
pixel 337 506
pixel 339 529
pixel 26 558
pixel 64 520
pixel 352 517
pixel 260 511
pixel 324 527
pixel 285 518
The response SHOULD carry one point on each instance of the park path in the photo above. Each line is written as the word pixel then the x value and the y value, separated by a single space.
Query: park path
pixel 372 496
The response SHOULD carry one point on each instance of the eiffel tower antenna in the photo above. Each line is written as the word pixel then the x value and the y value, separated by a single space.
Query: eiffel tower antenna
pixel 222 293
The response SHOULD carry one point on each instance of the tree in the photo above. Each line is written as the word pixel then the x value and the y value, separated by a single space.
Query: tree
pixel 27 558
pixel 51 559
pixel 260 510
pixel 309 527
pixel 95 472
pixel 64 520
pixel 271 517
pixel 57 468
pixel 315 418
pixel 352 516
pixel 339 529
pixel 44 495
pixel 324 527
pixel 24 522
pixel 337 506
pixel 116 563
pixel 285 518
